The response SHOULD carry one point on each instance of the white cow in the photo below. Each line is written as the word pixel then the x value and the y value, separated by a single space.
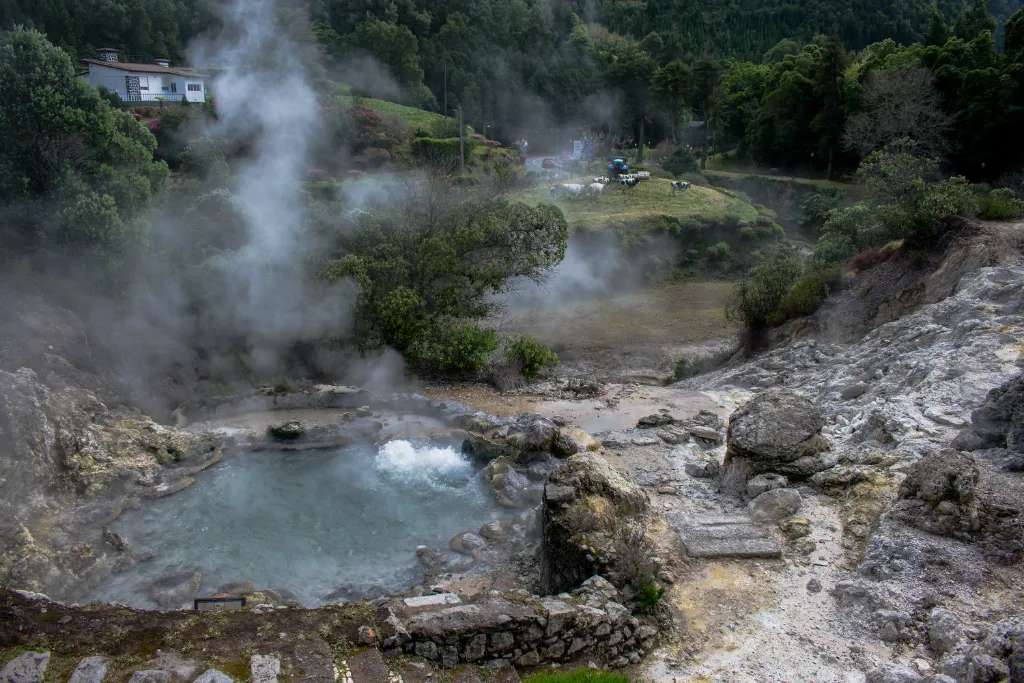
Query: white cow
pixel 595 188
pixel 568 190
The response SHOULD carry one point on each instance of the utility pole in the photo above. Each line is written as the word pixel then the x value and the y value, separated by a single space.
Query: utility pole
pixel 462 143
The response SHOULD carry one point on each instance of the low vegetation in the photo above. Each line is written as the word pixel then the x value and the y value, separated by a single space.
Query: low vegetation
pixel 576 676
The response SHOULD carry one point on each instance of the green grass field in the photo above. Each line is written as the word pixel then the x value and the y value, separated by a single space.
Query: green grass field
pixel 618 206
pixel 577 676
pixel 816 183
pixel 412 117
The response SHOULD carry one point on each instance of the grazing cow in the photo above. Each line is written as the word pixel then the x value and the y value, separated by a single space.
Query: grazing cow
pixel 567 190
pixel 629 180
pixel 603 180
pixel 679 186
pixel 595 188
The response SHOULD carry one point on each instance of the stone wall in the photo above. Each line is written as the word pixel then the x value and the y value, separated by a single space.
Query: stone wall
pixel 521 628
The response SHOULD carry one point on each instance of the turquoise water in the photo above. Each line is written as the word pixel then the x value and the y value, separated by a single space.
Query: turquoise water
pixel 343 522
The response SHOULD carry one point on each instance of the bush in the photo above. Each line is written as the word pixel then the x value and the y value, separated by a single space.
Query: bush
pixel 759 294
pixel 681 161
pixel 806 294
pixel 462 349
pixel 529 355
pixel 649 595
pixel 719 252
pixel 1001 205
pixel 442 152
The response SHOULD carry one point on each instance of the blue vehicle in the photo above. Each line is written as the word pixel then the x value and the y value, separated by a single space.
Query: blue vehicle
pixel 617 167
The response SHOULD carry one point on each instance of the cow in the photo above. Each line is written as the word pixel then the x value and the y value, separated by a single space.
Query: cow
pixel 567 190
pixel 628 180
pixel 595 189
pixel 680 186
pixel 603 180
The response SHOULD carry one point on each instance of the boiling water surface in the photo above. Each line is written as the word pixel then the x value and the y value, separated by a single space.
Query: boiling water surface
pixel 340 522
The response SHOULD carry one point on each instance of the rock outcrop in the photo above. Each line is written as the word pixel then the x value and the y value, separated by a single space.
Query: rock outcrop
pixel 999 421
pixel 955 494
pixel 68 465
pixel 776 432
pixel 586 503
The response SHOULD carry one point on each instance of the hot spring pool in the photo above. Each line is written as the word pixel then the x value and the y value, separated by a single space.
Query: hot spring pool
pixel 310 523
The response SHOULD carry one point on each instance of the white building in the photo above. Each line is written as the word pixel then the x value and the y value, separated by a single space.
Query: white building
pixel 156 82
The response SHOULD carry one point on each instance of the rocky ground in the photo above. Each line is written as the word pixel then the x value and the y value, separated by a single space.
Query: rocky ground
pixel 845 506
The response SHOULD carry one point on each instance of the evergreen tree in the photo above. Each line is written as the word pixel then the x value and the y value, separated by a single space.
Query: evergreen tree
pixel 938 31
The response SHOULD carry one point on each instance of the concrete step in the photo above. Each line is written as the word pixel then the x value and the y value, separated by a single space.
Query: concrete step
pixel 725 536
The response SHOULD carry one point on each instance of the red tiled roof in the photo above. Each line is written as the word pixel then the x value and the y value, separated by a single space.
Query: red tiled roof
pixel 145 68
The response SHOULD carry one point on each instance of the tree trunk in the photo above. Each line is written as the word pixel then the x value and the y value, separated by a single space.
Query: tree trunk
pixel 640 146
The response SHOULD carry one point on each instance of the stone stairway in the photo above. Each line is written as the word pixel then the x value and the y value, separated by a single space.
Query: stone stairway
pixel 726 536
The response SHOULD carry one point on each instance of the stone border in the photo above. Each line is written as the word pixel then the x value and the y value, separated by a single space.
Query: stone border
pixel 521 628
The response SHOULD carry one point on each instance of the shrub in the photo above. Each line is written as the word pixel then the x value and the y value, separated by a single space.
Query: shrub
pixel 529 355
pixel 759 294
pixel 649 595
pixel 719 252
pixel 1000 205
pixel 442 152
pixel 681 161
pixel 806 294
pixel 453 349
pixel 815 208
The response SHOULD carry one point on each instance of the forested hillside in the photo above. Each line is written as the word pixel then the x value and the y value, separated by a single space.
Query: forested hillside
pixel 141 29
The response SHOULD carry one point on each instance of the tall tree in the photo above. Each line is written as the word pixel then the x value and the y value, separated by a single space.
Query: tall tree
pixel 974 20
pixel 830 119
pixel 671 85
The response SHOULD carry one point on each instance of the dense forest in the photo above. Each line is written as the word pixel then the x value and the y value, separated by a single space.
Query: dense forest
pixel 925 114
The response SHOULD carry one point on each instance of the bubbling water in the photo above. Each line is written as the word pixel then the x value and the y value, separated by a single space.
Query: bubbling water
pixel 319 525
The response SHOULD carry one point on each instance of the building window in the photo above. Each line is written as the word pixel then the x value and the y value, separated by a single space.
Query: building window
pixel 174 87
pixel 195 87
pixel 143 82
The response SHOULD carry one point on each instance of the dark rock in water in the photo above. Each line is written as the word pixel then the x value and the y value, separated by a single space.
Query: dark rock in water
pixel 776 431
pixel 955 494
pixel 287 431
pixel 467 543
pixel 999 422
pixel 115 540
pixel 483 450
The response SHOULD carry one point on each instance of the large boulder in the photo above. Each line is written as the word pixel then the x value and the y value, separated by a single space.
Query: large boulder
pixel 999 422
pixel 955 494
pixel 585 502
pixel 776 431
